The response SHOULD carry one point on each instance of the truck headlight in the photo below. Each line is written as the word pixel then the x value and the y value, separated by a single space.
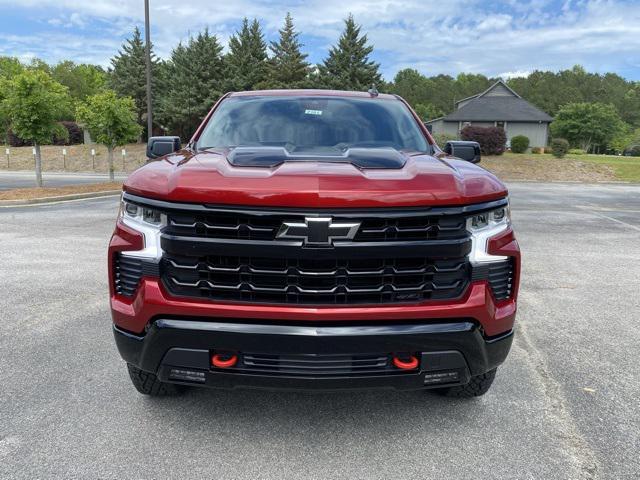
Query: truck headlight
pixel 482 227
pixel 149 222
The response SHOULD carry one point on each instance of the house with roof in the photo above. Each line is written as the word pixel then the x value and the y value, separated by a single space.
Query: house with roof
pixel 498 106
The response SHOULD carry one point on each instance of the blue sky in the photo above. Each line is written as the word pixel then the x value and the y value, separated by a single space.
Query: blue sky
pixel 497 38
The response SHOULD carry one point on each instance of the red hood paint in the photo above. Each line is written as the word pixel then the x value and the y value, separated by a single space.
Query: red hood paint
pixel 207 177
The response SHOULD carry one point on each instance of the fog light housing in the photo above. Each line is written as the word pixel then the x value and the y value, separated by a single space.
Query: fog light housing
pixel 441 377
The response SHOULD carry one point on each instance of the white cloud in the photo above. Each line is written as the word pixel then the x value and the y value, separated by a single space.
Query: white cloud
pixel 512 37
pixel 517 74
pixel 494 22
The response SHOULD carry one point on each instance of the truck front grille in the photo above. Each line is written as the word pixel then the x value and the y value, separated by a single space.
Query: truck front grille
pixel 313 365
pixel 315 281
pixel 261 225
pixel 317 256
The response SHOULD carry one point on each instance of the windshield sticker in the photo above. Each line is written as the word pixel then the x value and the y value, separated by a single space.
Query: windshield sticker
pixel 313 112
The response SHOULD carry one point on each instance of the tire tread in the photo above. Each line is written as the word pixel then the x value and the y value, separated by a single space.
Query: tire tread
pixel 477 386
pixel 147 383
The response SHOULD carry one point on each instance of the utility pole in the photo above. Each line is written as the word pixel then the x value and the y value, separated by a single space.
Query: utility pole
pixel 147 35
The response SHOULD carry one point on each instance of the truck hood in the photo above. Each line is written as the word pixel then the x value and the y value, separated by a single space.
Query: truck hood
pixel 209 178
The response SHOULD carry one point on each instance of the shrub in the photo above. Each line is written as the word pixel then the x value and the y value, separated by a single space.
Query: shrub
pixel 492 140
pixel 519 144
pixel 536 150
pixel 559 147
pixel 577 151
pixel 16 141
pixel 74 132
pixel 442 138
pixel 633 151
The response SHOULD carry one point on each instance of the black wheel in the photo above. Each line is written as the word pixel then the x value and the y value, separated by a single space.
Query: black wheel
pixel 477 386
pixel 148 383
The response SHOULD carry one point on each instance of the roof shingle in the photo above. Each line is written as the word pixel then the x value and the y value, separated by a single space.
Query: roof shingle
pixel 498 108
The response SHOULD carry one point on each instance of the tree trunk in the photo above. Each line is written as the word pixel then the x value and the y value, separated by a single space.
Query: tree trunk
pixel 110 155
pixel 38 164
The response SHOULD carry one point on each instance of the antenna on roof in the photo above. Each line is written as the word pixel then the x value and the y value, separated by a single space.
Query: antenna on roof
pixel 373 91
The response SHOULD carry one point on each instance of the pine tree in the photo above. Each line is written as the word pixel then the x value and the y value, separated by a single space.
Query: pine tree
pixel 247 58
pixel 288 67
pixel 128 77
pixel 194 81
pixel 348 66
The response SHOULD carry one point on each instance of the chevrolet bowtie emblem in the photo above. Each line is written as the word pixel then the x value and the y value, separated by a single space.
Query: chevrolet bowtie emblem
pixel 318 231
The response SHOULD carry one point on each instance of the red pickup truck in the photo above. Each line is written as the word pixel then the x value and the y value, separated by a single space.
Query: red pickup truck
pixel 309 239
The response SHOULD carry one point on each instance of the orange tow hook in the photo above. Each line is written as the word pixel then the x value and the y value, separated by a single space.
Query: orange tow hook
pixel 223 360
pixel 406 363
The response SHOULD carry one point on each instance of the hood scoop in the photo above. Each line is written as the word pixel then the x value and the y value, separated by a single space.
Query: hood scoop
pixel 269 157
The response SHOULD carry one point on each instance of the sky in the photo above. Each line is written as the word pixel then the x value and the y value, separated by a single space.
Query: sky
pixel 503 38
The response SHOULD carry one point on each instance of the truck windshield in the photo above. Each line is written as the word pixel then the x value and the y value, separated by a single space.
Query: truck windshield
pixel 313 124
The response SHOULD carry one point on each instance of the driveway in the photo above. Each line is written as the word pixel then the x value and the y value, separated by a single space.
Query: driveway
pixel 564 406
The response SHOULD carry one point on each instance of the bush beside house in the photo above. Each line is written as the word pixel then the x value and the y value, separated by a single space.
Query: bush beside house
pixel 492 140
pixel 559 147
pixel 519 144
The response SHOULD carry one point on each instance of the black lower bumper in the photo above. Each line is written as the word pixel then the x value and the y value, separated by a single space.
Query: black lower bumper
pixel 179 351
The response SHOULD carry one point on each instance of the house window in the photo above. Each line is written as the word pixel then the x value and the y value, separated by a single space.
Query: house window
pixel 500 125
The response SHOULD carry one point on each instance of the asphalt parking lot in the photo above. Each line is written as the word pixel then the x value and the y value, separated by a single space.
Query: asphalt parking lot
pixel 564 406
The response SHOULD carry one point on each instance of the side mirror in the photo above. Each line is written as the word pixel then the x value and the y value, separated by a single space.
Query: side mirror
pixel 160 146
pixel 469 151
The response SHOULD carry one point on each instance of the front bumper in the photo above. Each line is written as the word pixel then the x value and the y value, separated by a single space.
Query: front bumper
pixel 179 351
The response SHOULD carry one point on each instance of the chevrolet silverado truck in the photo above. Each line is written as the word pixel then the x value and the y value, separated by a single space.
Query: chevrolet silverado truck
pixel 313 240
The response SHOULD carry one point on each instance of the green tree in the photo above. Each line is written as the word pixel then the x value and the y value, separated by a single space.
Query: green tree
pixel 585 125
pixel 128 76
pixel 348 66
pixel 247 58
pixel 195 76
pixel 428 111
pixel 414 87
pixel 630 105
pixel 82 80
pixel 10 67
pixel 288 67
pixel 626 138
pixel 33 103
pixel 110 120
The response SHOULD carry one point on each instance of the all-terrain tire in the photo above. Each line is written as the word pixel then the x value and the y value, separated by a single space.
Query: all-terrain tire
pixel 148 383
pixel 477 386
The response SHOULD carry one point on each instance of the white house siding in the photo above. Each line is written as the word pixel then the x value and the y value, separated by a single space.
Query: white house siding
pixel 477 124
pixel 439 127
pixel 536 132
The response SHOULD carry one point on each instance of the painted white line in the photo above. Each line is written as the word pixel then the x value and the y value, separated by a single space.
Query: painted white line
pixel 609 218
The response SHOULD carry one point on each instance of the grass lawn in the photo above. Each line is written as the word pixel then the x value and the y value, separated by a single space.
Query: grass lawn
pixel 625 168
pixel 581 168
pixel 78 159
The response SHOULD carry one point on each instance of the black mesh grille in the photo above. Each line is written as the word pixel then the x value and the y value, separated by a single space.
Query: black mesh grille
pixel 411 228
pixel 224 225
pixel 315 281
pixel 265 226
pixel 127 274
pixel 311 365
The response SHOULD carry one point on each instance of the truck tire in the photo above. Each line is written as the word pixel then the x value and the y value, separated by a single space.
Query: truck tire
pixel 477 386
pixel 148 383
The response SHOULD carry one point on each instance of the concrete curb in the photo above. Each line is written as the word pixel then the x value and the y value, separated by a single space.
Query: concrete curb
pixel 59 198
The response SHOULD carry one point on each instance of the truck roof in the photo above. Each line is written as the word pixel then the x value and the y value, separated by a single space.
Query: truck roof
pixel 311 93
